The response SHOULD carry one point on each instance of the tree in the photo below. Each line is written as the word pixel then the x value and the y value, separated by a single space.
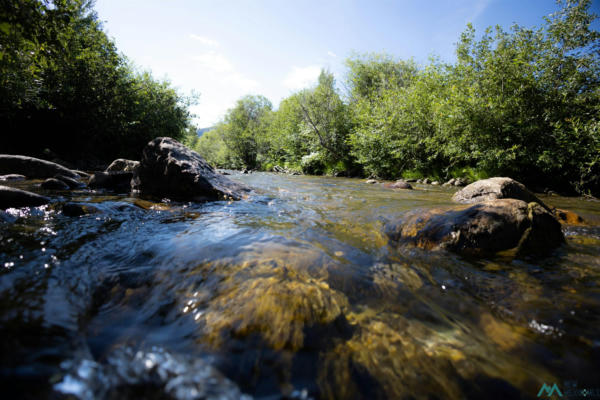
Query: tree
pixel 324 114
pixel 244 127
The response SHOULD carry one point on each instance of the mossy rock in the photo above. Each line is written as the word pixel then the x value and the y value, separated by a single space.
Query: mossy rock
pixel 481 229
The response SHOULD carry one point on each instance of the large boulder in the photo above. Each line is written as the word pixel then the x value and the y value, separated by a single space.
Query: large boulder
pixel 495 188
pixel 481 229
pixel 169 169
pixel 122 165
pixel 32 167
pixel 15 198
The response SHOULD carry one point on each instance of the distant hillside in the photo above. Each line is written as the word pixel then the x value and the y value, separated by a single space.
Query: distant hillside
pixel 201 131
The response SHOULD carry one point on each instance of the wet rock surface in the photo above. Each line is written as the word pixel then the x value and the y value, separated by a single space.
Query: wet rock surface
pixel 482 229
pixel 32 167
pixel 15 198
pixel 169 169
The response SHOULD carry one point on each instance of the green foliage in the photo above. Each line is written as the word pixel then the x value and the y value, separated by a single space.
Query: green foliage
pixel 324 116
pixel 212 147
pixel 241 139
pixel 65 87
pixel 522 103
pixel 312 164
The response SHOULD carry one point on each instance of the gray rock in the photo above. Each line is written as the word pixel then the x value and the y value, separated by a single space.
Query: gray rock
pixel 12 177
pixel 15 198
pixel 450 182
pixel 115 181
pixel 427 181
pixel 435 183
pixel 371 181
pixel 481 229
pixel 122 165
pixel 495 188
pixel 169 169
pixel 32 167
pixel 54 184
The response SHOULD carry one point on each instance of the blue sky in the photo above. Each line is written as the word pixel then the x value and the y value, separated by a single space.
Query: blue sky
pixel 226 49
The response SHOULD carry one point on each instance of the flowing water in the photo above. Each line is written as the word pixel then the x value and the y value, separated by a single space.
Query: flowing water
pixel 291 293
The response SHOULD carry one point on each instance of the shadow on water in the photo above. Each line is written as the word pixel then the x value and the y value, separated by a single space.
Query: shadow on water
pixel 293 293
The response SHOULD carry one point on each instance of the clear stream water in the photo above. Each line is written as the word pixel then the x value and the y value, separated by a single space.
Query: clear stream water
pixel 291 293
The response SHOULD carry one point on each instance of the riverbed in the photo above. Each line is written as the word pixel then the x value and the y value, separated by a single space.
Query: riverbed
pixel 293 292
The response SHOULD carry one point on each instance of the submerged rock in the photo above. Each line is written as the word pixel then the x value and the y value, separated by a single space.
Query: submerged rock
pixel 495 188
pixel 32 167
pixel 15 198
pixel 484 228
pixel 54 184
pixel 122 165
pixel 169 169
pixel 568 217
pixel 117 181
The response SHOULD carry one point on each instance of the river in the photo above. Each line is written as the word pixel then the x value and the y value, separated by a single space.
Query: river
pixel 291 293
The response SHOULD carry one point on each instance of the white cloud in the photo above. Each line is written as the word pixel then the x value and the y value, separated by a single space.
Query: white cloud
pixel 302 77
pixel 331 54
pixel 220 84
pixel 204 40
pixel 213 61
